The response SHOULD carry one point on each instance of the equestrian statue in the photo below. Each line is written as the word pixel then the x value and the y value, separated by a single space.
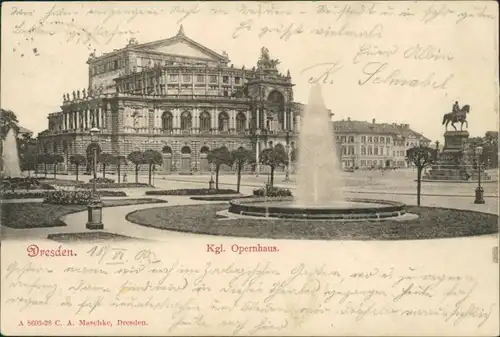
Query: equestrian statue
pixel 457 115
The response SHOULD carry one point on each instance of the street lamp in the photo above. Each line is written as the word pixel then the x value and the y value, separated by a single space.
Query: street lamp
pixel 479 189
pixel 288 153
pixel 95 206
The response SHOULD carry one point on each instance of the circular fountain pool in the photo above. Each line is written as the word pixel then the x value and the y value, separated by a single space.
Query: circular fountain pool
pixel 342 210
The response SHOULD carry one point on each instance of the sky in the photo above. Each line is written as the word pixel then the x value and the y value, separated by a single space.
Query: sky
pixel 397 62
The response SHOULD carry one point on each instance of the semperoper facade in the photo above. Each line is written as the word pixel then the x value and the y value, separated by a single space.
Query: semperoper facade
pixel 182 99
pixel 178 97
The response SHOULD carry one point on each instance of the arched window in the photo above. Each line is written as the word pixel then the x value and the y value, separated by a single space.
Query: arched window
pixel 185 150
pixel 280 147
pixel 223 122
pixel 275 97
pixel 204 152
pixel 167 121
pixel 166 150
pixel 241 121
pixel 205 121
pixel 186 120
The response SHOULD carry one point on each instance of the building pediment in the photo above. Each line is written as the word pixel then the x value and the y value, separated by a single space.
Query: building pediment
pixel 183 46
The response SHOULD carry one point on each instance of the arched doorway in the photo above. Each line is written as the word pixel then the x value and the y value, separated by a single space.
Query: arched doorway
pixel 167 159
pixel 204 165
pixel 90 155
pixel 185 159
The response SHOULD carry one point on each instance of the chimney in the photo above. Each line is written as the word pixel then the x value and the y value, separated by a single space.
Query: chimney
pixel 373 121
pixel 348 119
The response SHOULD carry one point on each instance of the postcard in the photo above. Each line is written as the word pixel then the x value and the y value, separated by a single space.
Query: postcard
pixel 249 168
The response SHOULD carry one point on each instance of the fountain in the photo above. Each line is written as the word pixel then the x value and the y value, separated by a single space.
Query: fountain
pixel 318 179
pixel 319 193
pixel 10 156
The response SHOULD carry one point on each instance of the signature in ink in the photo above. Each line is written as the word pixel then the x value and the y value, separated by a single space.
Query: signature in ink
pixel 327 70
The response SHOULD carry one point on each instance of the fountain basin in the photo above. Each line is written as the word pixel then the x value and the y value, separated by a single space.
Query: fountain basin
pixel 345 210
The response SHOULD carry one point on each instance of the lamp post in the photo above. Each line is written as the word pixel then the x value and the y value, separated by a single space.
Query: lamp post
pixel 154 169
pixel 211 182
pixel 288 152
pixel 479 190
pixel 95 206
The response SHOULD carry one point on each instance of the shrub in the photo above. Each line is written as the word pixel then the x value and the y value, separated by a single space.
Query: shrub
pixel 82 197
pixel 105 193
pixel 23 194
pixel 272 191
pixel 192 191
pixel 102 180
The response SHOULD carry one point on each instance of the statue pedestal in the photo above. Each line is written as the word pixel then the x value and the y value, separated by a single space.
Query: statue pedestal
pixel 455 162
pixel 455 140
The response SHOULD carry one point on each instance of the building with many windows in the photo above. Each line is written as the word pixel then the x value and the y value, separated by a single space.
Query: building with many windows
pixel 369 145
pixel 175 96
pixel 183 99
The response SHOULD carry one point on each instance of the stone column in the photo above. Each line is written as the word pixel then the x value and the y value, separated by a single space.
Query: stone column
pixel 214 119
pixel 285 119
pixel 206 82
pixel 232 123
pixel 79 118
pixel 257 113
pixel 103 116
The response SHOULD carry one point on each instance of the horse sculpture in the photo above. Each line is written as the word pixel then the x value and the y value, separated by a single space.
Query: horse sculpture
pixel 459 116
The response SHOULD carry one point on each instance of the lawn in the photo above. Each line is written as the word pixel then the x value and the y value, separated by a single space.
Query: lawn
pixel 37 215
pixel 220 197
pixel 89 236
pixel 432 223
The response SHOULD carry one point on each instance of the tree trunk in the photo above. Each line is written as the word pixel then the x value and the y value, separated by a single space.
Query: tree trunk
pixel 239 179
pixel 149 174
pixel 419 185
pixel 103 171
pixel 217 177
pixel 45 169
pixel 118 169
pixel 272 176
pixel 77 173
pixel 136 174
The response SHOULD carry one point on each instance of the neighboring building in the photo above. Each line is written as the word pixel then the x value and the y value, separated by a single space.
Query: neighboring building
pixel 175 96
pixel 365 145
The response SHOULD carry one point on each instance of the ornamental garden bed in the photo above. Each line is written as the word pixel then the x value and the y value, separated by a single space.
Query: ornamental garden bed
pixel 42 194
pixel 38 215
pixel 192 191
pixel 432 223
